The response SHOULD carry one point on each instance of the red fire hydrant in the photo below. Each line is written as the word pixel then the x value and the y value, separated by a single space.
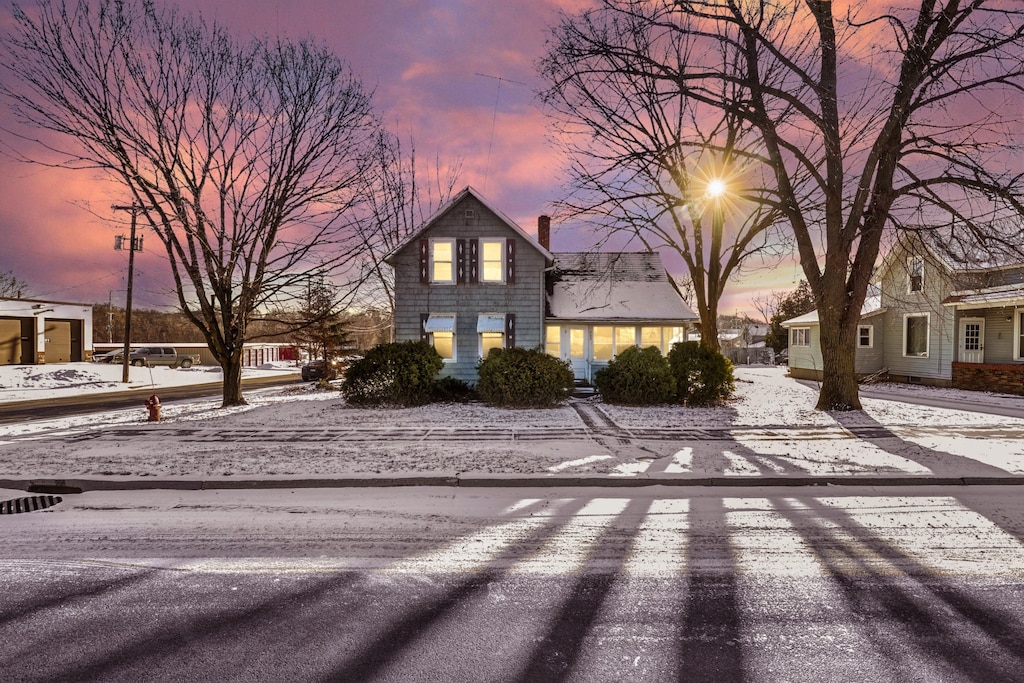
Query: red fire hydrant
pixel 153 405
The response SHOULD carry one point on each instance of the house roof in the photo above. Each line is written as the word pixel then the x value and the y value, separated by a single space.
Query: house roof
pixel 959 250
pixel 614 286
pixel 1003 295
pixel 872 307
pixel 451 204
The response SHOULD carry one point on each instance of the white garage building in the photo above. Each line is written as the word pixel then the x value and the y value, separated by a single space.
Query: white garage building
pixel 34 331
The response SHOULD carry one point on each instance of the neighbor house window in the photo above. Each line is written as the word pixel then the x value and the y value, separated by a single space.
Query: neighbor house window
pixel 442 261
pixel 553 341
pixel 915 271
pixel 1018 335
pixel 800 336
pixel 492 254
pixel 866 336
pixel 915 335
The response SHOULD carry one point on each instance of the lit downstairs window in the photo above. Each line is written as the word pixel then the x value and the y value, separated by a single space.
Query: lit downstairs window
pixel 491 328
pixel 440 330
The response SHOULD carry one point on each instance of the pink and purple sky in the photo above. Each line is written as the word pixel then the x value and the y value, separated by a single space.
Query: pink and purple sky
pixel 424 58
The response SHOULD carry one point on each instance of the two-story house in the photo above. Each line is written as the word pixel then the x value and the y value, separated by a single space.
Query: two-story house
pixel 470 280
pixel 942 314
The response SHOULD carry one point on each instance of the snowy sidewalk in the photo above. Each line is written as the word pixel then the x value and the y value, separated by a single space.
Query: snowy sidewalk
pixel 770 434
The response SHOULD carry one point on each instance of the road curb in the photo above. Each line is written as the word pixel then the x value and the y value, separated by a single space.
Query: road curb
pixel 81 485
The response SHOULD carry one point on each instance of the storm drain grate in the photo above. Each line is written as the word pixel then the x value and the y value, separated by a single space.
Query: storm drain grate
pixel 13 507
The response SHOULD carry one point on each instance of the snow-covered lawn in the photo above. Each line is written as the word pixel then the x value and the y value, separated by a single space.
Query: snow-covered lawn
pixel 769 428
pixel 32 382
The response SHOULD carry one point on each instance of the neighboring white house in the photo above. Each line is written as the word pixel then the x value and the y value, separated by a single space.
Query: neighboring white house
pixel 942 316
pixel 34 331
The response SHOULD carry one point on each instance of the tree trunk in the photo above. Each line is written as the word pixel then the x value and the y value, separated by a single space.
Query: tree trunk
pixel 709 332
pixel 232 389
pixel 839 389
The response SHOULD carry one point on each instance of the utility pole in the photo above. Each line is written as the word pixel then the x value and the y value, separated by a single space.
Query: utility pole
pixel 110 316
pixel 133 246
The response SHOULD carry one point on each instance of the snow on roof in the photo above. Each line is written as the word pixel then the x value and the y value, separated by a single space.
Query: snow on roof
pixel 872 306
pixel 1004 295
pixel 593 286
pixel 960 248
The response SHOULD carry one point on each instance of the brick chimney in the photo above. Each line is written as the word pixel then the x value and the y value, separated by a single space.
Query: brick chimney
pixel 544 231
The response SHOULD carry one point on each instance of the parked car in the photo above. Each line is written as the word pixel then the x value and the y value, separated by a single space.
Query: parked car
pixel 113 356
pixel 319 369
pixel 160 355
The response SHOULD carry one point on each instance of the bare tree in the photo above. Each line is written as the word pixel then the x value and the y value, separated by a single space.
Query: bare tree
pixel 873 117
pixel 243 157
pixel 650 163
pixel 401 195
pixel 11 286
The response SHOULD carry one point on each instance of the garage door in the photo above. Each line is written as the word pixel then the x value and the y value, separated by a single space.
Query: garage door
pixel 10 341
pixel 58 341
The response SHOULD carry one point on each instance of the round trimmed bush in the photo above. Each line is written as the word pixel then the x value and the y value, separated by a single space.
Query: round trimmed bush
pixel 523 378
pixel 638 377
pixel 703 376
pixel 399 373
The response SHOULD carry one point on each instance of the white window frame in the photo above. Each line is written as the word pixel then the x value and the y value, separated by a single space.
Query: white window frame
pixel 871 336
pixel 1018 331
pixel 795 334
pixel 433 279
pixel 483 264
pixel 913 261
pixel 927 337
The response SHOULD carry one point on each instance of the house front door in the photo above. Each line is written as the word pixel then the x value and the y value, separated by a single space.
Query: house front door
pixel 972 340
pixel 577 345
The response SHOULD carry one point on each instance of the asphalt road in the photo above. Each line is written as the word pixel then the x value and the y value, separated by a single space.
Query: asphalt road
pixel 429 584
pixel 95 402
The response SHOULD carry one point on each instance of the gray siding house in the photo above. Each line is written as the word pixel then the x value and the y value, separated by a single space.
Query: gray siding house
pixel 470 279
pixel 943 316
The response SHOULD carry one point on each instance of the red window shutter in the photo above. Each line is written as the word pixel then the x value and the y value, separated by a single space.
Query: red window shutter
pixel 424 262
pixel 510 330
pixel 423 327
pixel 474 261
pixel 460 262
pixel 510 260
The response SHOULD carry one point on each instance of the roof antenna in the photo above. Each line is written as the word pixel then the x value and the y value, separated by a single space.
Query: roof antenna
pixel 494 117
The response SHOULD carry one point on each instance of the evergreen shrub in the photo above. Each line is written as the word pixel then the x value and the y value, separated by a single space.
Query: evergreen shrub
pixel 451 390
pixel 703 377
pixel 398 373
pixel 638 377
pixel 523 378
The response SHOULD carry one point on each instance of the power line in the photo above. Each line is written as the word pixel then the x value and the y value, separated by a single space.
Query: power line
pixel 494 118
